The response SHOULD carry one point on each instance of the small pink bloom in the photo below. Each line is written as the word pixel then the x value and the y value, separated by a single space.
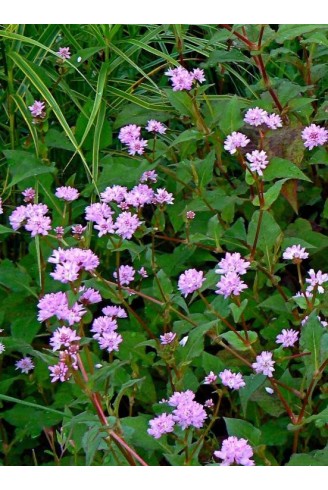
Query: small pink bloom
pixel 314 135
pixel 264 364
pixel 255 116
pixel 64 53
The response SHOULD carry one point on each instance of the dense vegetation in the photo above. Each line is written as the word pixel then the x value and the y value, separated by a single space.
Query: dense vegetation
pixel 164 221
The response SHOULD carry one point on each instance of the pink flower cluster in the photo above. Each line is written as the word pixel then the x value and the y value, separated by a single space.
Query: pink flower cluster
pixel 130 136
pixel 183 79
pixel 264 364
pixel 66 339
pixel 186 413
pixel 236 451
pixel 104 330
pixel 25 365
pixel 296 253
pixel 126 222
pixel 167 338
pixel 316 281
pixel 234 381
pixel 234 141
pixel 190 281
pixel 69 263
pixel 33 217
pixel 37 109
pixel 56 304
pixel 64 53
pixel 287 338
pixel 232 266
pixel 259 117
pixel 258 161
pixel 314 135
pixel 67 193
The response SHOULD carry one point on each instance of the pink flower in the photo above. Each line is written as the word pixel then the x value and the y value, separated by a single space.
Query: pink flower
pixel 233 262
pixel 33 215
pixel 114 311
pixel 129 133
pixel 63 337
pixel 181 397
pixel 210 378
pixel 97 212
pixel 103 324
pixel 64 53
pixel 38 225
pixel 29 195
pixel 258 161
pixel 167 338
pixel 25 365
pixel 70 262
pixel 230 284
pixel 189 413
pixel 2 348
pixel 60 232
pixel 287 338
pixel 67 193
pixel 190 215
pixel 190 281
pixel 255 116
pixel 126 224
pixel 110 341
pixel 198 75
pixel 295 252
pixel 316 280
pixel 137 146
pixel 264 364
pixel 163 424
pixel 78 230
pixel 232 380
pixel 235 450
pixel 126 275
pixel 273 121
pixel 59 372
pixel 181 78
pixel 105 226
pixel 38 109
pixel 140 195
pixel 52 304
pixel 235 140
pixel 314 135
pixel 116 193
pixel 155 127
pixel 209 403
pixel 149 175
pixel 163 197
pixel 90 296
pixel 143 273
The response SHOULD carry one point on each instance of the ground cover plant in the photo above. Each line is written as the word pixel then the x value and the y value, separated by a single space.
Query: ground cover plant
pixel 164 238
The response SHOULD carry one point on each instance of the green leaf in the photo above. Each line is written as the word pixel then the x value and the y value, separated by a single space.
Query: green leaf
pixel 231 119
pixel 188 135
pixel 181 101
pixel 315 458
pixel 237 311
pixel 280 168
pixel 236 342
pixel 292 31
pixel 269 231
pixel 271 195
pixel 242 429
pixel 310 339
pixel 4 230
pixel 23 165
pixel 253 383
